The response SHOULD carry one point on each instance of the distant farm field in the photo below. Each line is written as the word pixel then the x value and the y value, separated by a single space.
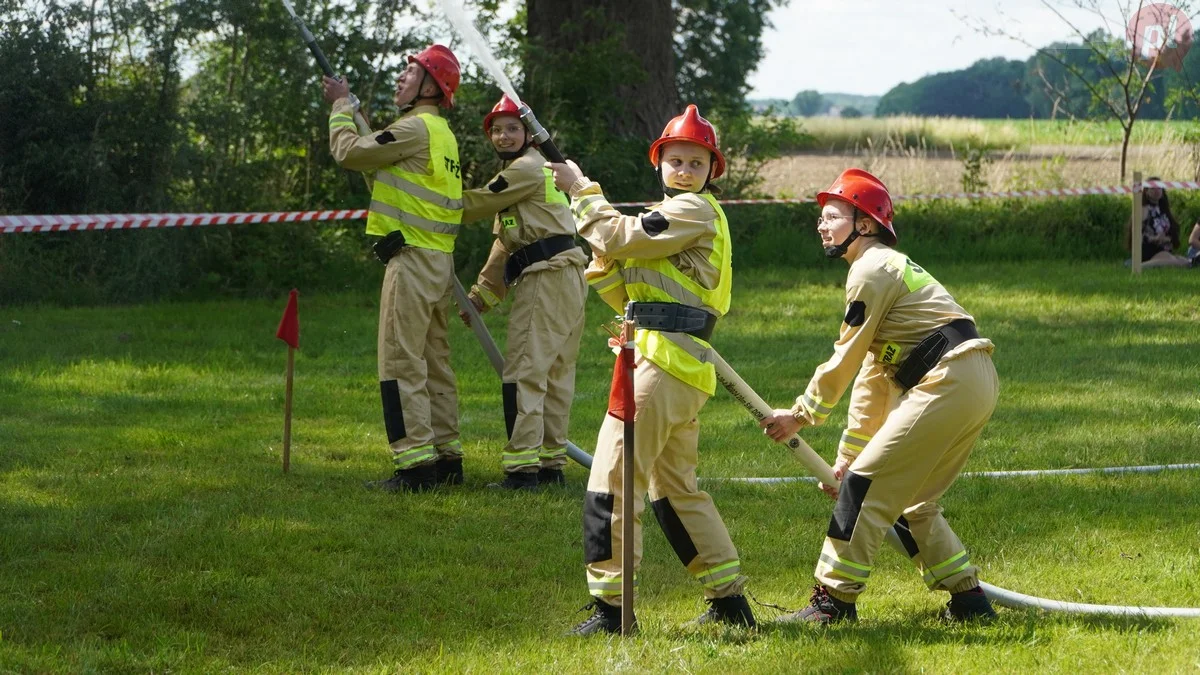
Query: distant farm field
pixel 953 133
pixel 922 155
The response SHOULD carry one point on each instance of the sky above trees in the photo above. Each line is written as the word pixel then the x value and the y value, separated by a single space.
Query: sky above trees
pixel 869 46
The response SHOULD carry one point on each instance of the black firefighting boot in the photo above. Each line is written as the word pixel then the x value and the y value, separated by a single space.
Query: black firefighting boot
pixel 449 471
pixel 605 619
pixel 517 480
pixel 734 610
pixel 972 605
pixel 551 477
pixel 416 479
pixel 822 608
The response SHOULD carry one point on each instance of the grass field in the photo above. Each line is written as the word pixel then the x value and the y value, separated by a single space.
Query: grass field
pixel 145 525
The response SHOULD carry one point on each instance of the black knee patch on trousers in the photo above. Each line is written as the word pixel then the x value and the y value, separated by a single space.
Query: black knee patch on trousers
pixel 905 533
pixel 597 526
pixel 849 503
pixel 393 412
pixel 676 533
pixel 508 391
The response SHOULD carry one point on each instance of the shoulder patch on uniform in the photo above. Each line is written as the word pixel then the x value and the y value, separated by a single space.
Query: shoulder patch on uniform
pixel 655 223
pixel 856 313
pixel 385 138
pixel 498 185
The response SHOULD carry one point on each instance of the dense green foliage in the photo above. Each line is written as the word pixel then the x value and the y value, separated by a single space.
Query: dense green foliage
pixel 215 105
pixel 989 88
pixel 145 525
pixel 1048 85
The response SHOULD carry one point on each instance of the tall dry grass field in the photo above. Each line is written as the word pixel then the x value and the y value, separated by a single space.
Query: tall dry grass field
pixel 921 155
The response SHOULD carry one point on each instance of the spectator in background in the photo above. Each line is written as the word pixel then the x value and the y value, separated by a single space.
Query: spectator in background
pixel 1160 230
pixel 1193 252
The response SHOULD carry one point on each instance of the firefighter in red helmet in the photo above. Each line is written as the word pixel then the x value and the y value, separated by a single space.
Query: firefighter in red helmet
pixel 924 386
pixel 674 262
pixel 416 209
pixel 536 257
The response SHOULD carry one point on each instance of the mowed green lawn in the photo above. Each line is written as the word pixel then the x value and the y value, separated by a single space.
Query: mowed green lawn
pixel 145 524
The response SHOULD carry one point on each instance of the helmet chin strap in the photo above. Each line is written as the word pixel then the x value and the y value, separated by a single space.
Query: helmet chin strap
pixel 839 250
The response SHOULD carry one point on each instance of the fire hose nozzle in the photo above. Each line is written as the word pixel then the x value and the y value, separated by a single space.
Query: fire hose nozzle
pixel 541 137
pixel 539 133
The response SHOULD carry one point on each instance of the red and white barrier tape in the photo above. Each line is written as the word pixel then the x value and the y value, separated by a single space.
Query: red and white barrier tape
pixel 122 221
pixel 135 221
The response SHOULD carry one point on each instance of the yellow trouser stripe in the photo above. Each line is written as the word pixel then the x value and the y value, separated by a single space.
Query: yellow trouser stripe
pixel 520 458
pixel 850 570
pixel 937 573
pixel 709 577
pixel 413 456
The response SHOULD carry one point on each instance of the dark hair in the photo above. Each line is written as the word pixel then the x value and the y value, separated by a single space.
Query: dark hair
pixel 1164 205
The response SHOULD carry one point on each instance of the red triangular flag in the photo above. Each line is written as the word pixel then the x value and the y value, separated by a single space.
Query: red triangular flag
pixel 620 394
pixel 289 325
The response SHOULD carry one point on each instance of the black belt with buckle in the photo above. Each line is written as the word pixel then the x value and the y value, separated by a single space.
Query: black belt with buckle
pixel 542 249
pixel 675 317
pixel 931 350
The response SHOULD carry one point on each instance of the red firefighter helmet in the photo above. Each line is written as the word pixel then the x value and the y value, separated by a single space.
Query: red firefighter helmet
pixel 693 128
pixel 868 194
pixel 504 107
pixel 440 63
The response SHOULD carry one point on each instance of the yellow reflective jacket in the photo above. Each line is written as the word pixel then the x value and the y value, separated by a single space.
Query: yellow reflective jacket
pixel 678 251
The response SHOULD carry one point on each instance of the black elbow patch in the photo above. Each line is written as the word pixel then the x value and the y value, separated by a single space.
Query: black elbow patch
pixel 856 313
pixel 385 138
pixel 498 185
pixel 655 223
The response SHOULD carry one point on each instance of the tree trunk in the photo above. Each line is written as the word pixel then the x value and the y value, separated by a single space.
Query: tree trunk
pixel 647 27
pixel 1126 132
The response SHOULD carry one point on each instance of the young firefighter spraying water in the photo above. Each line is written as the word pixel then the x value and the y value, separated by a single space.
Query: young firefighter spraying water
pixel 534 254
pixel 925 387
pixel 416 207
pixel 674 261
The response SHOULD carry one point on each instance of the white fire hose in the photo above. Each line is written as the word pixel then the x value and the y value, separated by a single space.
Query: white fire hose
pixel 759 409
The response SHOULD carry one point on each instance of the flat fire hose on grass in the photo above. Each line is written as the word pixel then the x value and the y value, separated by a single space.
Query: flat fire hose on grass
pixel 493 354
pixel 759 409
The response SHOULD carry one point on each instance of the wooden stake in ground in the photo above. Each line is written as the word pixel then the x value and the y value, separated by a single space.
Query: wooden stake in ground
pixel 1135 225
pixel 289 332
pixel 628 487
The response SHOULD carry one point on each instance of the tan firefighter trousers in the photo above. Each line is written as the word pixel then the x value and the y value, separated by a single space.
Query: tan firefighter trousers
pixel 901 473
pixel 417 387
pixel 665 441
pixel 539 367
